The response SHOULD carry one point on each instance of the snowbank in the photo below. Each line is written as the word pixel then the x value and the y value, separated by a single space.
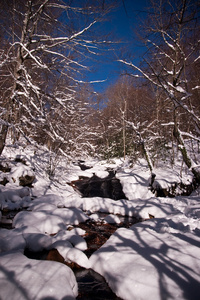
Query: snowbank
pixel 24 278
pixel 139 262
pixel 13 199
pixel 157 259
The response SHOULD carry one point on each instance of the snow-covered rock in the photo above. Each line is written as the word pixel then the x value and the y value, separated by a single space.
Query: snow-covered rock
pixel 37 241
pixel 43 221
pixel 23 278
pixel 72 216
pixel 11 240
pixel 139 262
pixel 77 256
pixel 112 219
pixel 50 199
pixel 15 198
pixel 70 253
pixel 20 171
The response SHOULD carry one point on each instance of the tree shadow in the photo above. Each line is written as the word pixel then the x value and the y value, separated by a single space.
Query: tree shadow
pixel 169 262
pixel 23 278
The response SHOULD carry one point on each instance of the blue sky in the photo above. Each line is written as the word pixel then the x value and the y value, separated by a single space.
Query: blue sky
pixel 122 22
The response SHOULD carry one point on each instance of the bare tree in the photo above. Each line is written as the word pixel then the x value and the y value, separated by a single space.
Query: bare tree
pixel 172 39
pixel 44 46
pixel 125 117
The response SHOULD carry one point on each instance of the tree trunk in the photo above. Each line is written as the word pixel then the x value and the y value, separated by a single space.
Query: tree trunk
pixel 3 135
pixel 146 154
pixel 182 148
pixel 186 158
pixel 124 138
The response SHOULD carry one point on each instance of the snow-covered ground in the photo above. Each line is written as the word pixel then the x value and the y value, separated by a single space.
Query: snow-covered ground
pixel 158 258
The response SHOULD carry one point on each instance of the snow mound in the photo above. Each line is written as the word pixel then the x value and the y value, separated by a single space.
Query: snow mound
pixel 43 221
pixel 75 255
pixel 72 216
pixel 139 262
pixel 15 198
pixel 20 170
pixel 140 208
pixel 31 279
pixel 50 199
pixel 11 240
pixel 73 237
pixel 70 247
pixel 37 241
pixel 71 254
pixel 112 219
pixel 49 221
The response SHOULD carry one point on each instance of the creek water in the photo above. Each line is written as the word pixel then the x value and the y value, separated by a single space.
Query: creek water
pixel 107 187
pixel 91 285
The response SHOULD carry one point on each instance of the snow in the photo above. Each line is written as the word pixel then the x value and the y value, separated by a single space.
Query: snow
pixel 15 198
pixel 157 257
pixel 148 260
pixel 112 219
pixel 43 221
pixel 26 278
pixel 11 240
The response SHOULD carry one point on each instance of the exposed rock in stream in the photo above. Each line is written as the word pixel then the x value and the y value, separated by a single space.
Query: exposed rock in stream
pixel 174 189
pixel 26 180
pixel 5 168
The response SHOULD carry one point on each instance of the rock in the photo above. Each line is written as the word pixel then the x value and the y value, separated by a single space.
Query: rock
pixel 4 181
pixel 26 180
pixel 5 168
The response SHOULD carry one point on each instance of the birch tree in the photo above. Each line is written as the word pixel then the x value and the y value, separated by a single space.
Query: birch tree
pixel 172 40
pixel 44 46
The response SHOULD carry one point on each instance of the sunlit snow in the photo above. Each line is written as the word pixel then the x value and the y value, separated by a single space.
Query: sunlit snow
pixel 158 257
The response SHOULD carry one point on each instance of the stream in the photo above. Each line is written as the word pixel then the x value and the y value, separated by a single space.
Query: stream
pixel 91 285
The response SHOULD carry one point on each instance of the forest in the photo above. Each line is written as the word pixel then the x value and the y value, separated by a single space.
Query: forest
pixel 48 46
pixel 99 177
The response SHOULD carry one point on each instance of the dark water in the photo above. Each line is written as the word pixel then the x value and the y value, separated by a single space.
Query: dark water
pixel 93 286
pixel 108 187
